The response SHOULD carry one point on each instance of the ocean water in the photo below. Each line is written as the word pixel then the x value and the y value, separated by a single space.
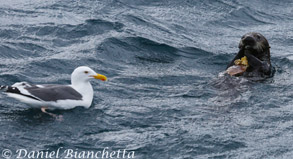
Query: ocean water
pixel 164 98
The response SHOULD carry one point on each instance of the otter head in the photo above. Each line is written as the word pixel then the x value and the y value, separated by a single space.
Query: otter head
pixel 255 43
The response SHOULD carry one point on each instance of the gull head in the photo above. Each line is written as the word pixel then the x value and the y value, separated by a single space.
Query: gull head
pixel 84 74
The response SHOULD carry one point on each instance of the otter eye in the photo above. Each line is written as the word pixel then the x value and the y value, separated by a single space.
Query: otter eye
pixel 257 36
pixel 86 72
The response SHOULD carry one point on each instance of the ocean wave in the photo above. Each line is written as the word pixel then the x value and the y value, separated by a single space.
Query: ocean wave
pixel 90 27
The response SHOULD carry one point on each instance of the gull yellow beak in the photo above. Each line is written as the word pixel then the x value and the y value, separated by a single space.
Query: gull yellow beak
pixel 100 77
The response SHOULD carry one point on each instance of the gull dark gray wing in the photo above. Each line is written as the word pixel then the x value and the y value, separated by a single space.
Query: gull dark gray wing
pixel 54 92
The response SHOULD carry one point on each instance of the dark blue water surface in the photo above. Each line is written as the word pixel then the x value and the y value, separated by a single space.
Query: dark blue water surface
pixel 162 57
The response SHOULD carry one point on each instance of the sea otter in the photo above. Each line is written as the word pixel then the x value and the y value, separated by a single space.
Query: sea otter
pixel 257 50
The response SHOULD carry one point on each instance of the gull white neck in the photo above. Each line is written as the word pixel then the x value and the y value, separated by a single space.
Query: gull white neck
pixel 86 90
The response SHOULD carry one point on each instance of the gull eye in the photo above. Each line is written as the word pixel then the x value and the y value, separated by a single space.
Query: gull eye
pixel 86 72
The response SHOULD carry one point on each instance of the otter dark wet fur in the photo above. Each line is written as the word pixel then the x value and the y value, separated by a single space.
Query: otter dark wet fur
pixel 257 50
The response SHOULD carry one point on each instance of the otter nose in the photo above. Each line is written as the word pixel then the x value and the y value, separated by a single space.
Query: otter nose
pixel 248 40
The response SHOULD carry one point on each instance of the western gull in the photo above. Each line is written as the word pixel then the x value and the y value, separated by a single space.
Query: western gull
pixel 52 96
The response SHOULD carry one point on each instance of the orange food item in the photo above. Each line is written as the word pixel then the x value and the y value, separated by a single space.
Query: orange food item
pixel 239 67
pixel 242 61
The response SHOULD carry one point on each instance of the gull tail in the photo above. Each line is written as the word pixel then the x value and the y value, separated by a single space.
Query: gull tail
pixel 9 89
pixel 5 88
